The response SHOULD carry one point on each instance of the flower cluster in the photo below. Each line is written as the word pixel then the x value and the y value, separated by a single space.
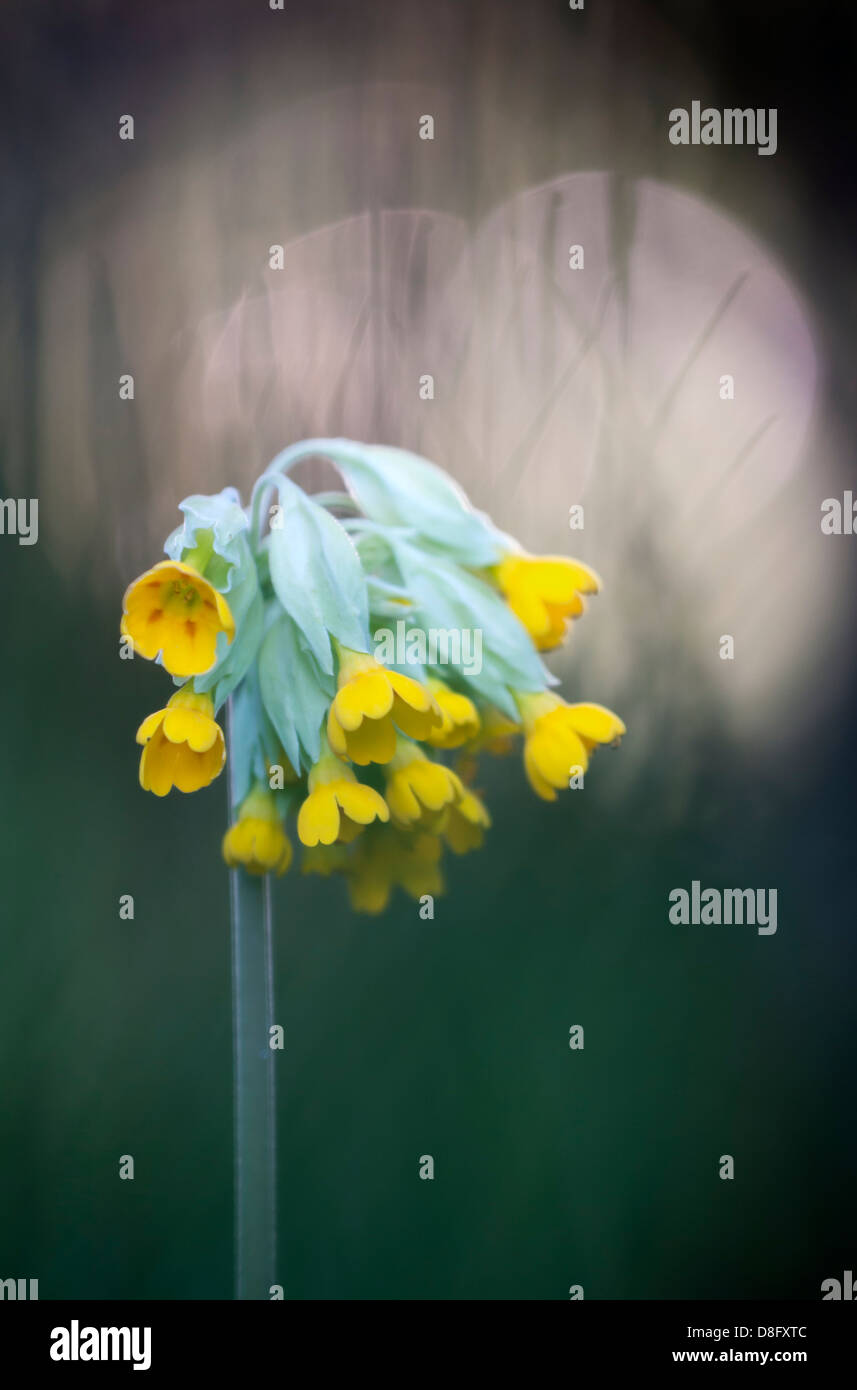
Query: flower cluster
pixel 376 759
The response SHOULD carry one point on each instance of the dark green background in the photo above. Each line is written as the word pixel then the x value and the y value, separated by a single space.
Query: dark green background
pixel 406 1037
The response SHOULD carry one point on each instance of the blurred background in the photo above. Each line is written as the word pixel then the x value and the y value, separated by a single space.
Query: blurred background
pixel 553 388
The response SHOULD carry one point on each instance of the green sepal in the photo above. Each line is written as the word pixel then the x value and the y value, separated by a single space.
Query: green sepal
pixel 491 692
pixel 317 575
pixel 296 691
pixel 222 515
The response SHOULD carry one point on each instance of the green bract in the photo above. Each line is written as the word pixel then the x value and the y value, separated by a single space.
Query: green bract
pixel 296 691
pixel 457 600
pixel 402 489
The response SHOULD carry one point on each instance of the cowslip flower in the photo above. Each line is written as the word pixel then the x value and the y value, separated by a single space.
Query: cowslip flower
pixel 173 610
pixel 257 840
pixel 183 744
pixel 390 859
pixel 338 807
pixel 419 790
pixel 459 717
pixel 371 702
pixel 559 738
pixel 465 824
pixel 544 592
pixel 310 706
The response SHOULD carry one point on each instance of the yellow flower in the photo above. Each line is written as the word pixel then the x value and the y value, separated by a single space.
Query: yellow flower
pixel 389 858
pixel 184 745
pixel 559 737
pixel 544 591
pixel 257 840
pixel 171 609
pixel 466 824
pixel 338 806
pixel 370 702
pixel 419 790
pixel 460 720
pixel 417 864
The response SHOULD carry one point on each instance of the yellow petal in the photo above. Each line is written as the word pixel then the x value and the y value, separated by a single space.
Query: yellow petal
pixel 529 609
pixel 190 771
pixel 367 696
pixel 417 696
pixel 271 850
pixel 555 750
pixel 227 623
pixel 459 718
pixel 183 725
pixel 336 734
pixel 360 803
pixel 432 783
pixel 401 798
pixel 558 579
pixel 595 722
pixel 541 787
pixel 318 818
pixel 189 647
pixel 373 742
pixel 473 809
pixel 146 634
pixel 416 724
pixel 157 765
pixel 150 725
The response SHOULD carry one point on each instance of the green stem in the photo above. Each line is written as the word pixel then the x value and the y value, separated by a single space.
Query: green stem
pixel 337 450
pixel 255 1111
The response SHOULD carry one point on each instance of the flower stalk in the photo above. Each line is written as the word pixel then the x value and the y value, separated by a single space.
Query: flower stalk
pixel 279 622
pixel 255 1130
